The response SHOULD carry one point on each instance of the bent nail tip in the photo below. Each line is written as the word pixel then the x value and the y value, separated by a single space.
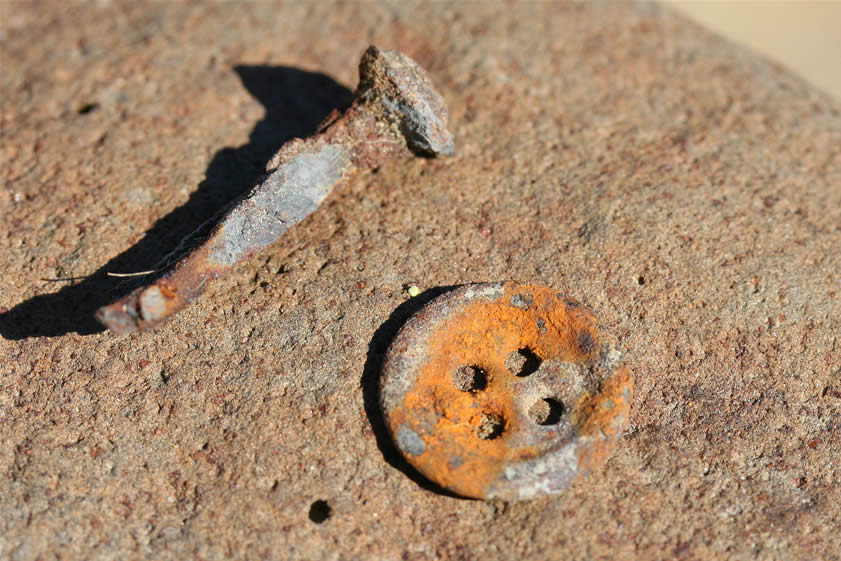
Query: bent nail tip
pixel 115 320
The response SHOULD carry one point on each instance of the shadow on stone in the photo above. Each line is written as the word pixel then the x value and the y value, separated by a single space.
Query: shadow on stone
pixel 370 383
pixel 296 102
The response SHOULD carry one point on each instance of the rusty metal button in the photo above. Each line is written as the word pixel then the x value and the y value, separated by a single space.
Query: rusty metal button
pixel 502 390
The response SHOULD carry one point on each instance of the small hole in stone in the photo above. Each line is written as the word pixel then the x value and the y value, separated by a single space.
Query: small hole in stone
pixel 547 411
pixel 522 362
pixel 87 108
pixel 490 426
pixel 319 511
pixel 640 281
pixel 470 378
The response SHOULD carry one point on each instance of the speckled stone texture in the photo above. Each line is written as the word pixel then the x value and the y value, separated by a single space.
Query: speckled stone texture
pixel 686 190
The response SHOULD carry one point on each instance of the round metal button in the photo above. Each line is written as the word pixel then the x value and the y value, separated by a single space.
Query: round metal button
pixel 502 390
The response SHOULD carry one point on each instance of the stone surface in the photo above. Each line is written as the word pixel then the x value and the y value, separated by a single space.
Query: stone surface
pixel 687 191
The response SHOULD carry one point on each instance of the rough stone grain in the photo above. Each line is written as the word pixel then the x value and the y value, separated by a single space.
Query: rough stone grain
pixel 688 191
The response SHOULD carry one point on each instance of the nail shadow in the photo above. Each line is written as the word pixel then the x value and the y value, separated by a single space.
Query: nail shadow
pixel 296 102
pixel 370 383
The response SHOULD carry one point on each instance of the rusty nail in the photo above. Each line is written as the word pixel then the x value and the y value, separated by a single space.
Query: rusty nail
pixel 551 404
pixel 396 112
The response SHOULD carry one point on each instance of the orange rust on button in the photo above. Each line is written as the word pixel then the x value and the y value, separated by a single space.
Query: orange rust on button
pixel 601 418
pixel 482 333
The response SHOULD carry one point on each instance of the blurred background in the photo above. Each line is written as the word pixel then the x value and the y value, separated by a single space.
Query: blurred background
pixel 804 35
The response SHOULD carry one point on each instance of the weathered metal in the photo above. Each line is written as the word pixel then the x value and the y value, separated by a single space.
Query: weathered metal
pixel 504 391
pixel 396 112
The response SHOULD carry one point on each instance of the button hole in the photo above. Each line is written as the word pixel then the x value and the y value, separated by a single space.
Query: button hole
pixel 470 378
pixel 522 362
pixel 490 426
pixel 546 411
